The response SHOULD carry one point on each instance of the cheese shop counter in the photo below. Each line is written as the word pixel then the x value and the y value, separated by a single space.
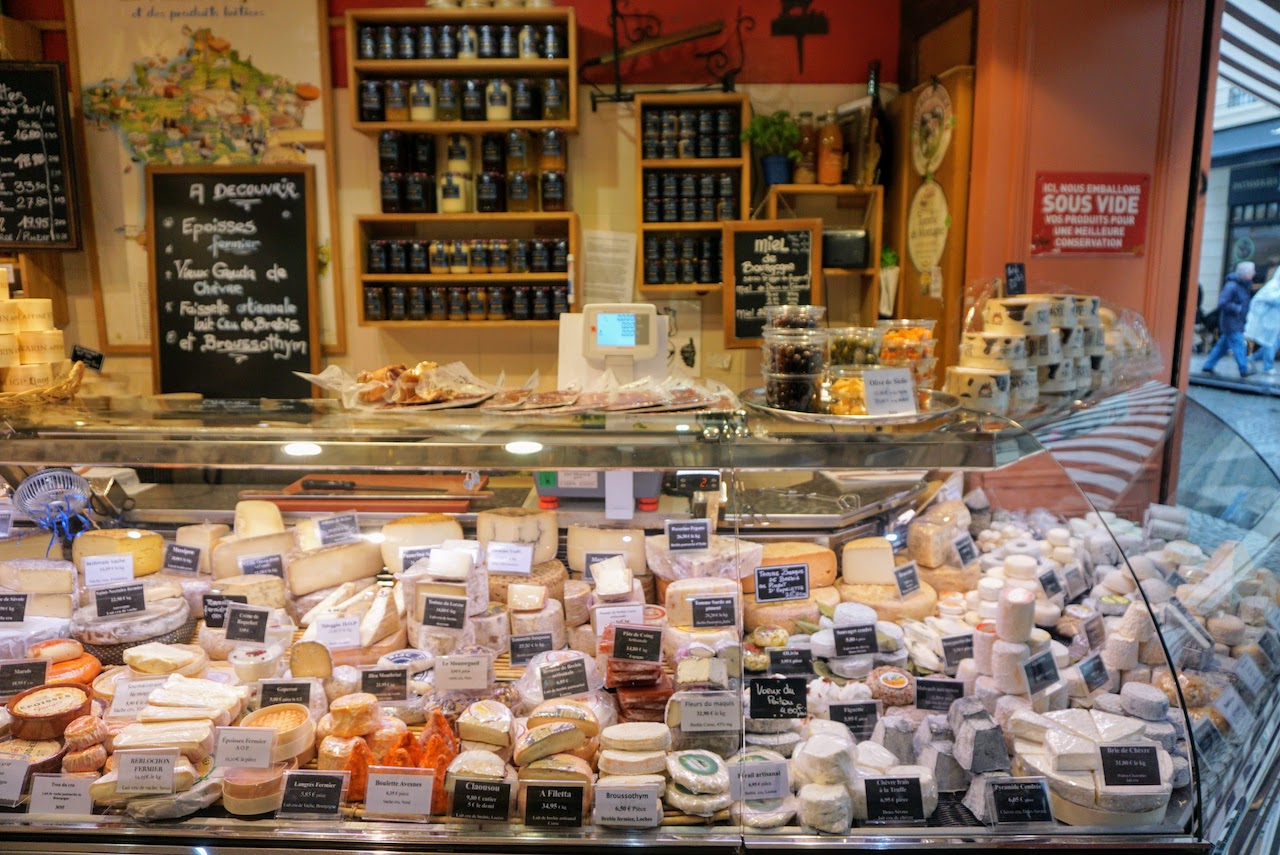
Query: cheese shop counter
pixel 286 626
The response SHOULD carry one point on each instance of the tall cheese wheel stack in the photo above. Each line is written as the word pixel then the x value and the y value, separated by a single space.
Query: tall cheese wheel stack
pixel 32 350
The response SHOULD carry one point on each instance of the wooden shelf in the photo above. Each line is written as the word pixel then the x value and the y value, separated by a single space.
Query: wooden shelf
pixel 458 278
pixel 693 163
pixel 508 217
pixel 464 127
pixel 440 325
pixel 826 189
pixel 461 67
pixel 697 289
pixel 714 225
pixel 850 271
pixel 420 15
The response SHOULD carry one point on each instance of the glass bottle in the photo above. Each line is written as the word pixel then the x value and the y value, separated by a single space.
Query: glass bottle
pixel 528 42
pixel 392 151
pixel 875 157
pixel 492 153
pixel 553 191
pixel 448 100
pixel 830 151
pixel 473 100
pixel 457 157
pixel 497 101
pixel 555 101
pixel 551 153
pixel 397 101
pixel 521 192
pixel 519 151
pixel 468 42
pixel 806 171
pixel 422 101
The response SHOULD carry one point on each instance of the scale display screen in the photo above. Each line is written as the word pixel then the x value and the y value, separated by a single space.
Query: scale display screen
pixel 616 330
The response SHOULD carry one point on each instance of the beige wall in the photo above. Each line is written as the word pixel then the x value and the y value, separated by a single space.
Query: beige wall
pixel 602 163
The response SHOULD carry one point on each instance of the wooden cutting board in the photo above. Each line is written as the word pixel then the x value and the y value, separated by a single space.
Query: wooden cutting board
pixel 294 498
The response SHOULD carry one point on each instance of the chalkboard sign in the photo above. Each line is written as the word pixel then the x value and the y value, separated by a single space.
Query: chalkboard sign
pixel 37 185
pixel 768 263
pixel 232 260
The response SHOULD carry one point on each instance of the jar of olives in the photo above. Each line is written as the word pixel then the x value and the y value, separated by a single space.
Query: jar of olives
pixel 853 345
pixel 795 351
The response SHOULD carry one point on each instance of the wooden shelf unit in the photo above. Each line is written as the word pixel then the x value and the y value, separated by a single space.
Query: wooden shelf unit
pixel 428 227
pixel 740 165
pixel 840 206
pixel 413 69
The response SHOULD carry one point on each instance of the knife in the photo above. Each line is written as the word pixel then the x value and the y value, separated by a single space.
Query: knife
pixel 328 486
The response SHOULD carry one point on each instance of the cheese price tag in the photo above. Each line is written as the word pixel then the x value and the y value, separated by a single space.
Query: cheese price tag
pixel 131 696
pixel 462 673
pixel 889 392
pixel 60 795
pixel 524 647
pixel 966 549
pixel 182 559
pixel 894 800
pixel 216 605
pixel 688 534
pixel 857 639
pixel 386 684
pixel 120 600
pixel 714 612
pixel 782 583
pixel 91 358
pixel 907 578
pixel 313 795
pixel 710 712
pixel 627 807
pixel 1019 801
pixel 1251 677
pixel 1233 708
pixel 937 694
pixel 514 558
pixel 1272 615
pixel 410 555
pixel 553 805
pixel 759 779
pixel 957 648
pixel 602 616
pixel 247 623
pixel 637 643
pixel 285 692
pixel 592 558
pixel 444 612
pixel 13 777
pixel 338 633
pixel 1270 645
pixel 1075 581
pixel 148 770
pixel 1130 765
pixel 1096 632
pixel 1041 671
pixel 18 675
pixel 1094 672
pixel 1049 583
pixel 246 747
pixel 13 608
pixel 790 660
pixel 779 697
pixel 102 570
pixel 339 528
pixel 262 565
pixel 6 523
pixel 564 679
pixel 860 717
pixel 395 793
pixel 483 801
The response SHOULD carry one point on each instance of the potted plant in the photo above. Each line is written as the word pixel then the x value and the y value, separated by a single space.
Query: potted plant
pixel 776 138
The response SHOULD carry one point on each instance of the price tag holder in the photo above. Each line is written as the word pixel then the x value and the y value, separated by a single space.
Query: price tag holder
pixel 182 559
pixel 411 555
pixel 216 605
pixel 247 623
pixel 246 747
pixel 399 794
pixel 444 612
pixel 782 583
pixel 1015 279
pixel 119 600
pixel 313 795
pixel 590 559
pixel 896 801
pixel 1233 708
pixel 91 358
pixel 1095 631
pixel 285 692
pixel 1019 802
pixel 146 771
pixel 779 697
pixel 683 535
pixel 6 523
pixel 857 639
pixel 710 712
pixel 386 684
pixel 516 558
pixel 889 392
pixel 13 607
pixel 759 779
pixel 966 549
pixel 697 480
pixel 1250 676
pixel 714 612
pixel 13 777
pixel 627 807
pixel 462 673
pixel 602 616
pixel 522 648
pixel 482 801
pixel 338 633
pixel 637 643
pixel 130 697
pixel 18 675
pixel 339 528
pixel 60 795
pixel 1094 672
pixel 860 717
pixel 575 479
pixel 957 648
pixel 937 694
pixel 907 578
pixel 101 570
pixel 1050 584
pixel 1130 765
pixel 790 660
pixel 1270 645
pixel 564 679
pixel 553 805
pixel 1076 584
pixel 262 565
pixel 1041 671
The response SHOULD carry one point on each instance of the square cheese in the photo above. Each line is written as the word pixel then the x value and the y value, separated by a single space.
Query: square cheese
pixel 867 561
pixel 526 598
pixel 612 577
pixel 450 564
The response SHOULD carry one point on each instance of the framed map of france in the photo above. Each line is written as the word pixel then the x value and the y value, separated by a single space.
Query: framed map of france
pixel 176 83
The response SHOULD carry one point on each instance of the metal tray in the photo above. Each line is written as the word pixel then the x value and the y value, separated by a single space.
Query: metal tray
pixel 938 404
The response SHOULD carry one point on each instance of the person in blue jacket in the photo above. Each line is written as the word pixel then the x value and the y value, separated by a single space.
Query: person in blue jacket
pixel 1262 327
pixel 1233 306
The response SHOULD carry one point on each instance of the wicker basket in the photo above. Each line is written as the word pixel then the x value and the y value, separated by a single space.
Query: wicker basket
pixel 60 392
pixel 113 654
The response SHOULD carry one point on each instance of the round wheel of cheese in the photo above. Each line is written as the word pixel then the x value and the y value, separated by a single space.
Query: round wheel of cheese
pixel 785 614
pixel 948 578
pixel 888 604
pixel 550 574
pixel 820 560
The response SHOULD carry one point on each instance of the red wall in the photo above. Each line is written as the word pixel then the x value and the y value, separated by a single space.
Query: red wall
pixel 859 31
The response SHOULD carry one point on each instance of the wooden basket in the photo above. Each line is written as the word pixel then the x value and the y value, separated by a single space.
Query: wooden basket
pixel 60 392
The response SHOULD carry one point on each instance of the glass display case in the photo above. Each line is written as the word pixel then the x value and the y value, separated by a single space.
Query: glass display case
pixel 813 635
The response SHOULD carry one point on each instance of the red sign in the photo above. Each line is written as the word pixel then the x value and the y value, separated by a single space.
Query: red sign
pixel 1090 213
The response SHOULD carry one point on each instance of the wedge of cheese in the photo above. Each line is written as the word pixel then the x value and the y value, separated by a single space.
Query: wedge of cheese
pixel 259 589
pixel 333 565
pixel 146 548
pixel 820 560
pixel 203 537
pixel 255 517
pixel 38 576
pixel 416 531
pixel 225 559
pixel 536 528
pixel 382 619
pixel 192 737
pixel 867 561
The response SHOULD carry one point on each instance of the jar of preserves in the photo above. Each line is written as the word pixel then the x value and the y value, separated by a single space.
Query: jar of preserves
pixel 422 101
pixel 422 153
pixel 497 103
pixel 397 303
pixel 455 197
pixel 457 154
pixel 479 256
pixel 397 257
pixel 419 193
pixel 652 210
pixel 559 300
pixel 396 107
pixel 376 257
pixel 448 100
pixel 526 100
pixel 438 256
pixel 519 151
pixel 498 299
pixel 371 106
pixel 519 256
pixel 459 256
pixel 375 303
pixel 560 256
pixel 553 191
pixel 540 299
pixel 520 309
pixel 473 100
pixel 499 256
pixel 539 256
pixel 439 303
pixel 521 192
pixel 491 193
pixel 418 257
pixel 458 303
pixel 492 153
pixel 391 191
pixel 477 303
pixel 552 154
pixel 417 302
pixel 555 99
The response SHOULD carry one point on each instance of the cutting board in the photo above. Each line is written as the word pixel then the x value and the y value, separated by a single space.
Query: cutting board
pixel 295 499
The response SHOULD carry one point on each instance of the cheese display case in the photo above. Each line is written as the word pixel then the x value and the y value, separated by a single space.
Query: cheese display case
pixel 293 625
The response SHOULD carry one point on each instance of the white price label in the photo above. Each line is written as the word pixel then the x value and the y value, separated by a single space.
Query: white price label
pixel 509 558
pixel 13 776
pixel 1249 673
pixel 131 696
pixel 1273 616
pixel 247 747
pixel 145 771
pixel 65 795
pixel 577 480
pixel 627 807
pixel 602 616
pixel 710 712
pixel 399 792
pixel 338 633
pixel 759 780
pixel 6 523
pixel 462 673
pixel 889 392
pixel 1236 712
pixel 100 570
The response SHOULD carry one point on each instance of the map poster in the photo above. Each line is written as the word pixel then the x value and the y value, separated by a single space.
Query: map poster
pixel 176 83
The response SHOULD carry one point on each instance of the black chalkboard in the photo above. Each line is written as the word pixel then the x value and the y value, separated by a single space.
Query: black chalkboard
pixel 38 207
pixel 768 263
pixel 233 280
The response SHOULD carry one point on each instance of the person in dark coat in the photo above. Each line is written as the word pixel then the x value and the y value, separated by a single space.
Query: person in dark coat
pixel 1233 308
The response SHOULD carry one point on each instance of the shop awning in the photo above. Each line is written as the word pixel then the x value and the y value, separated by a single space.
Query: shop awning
pixel 1249 51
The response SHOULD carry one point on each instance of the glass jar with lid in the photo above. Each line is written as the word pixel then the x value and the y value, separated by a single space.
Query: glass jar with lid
pixel 552 154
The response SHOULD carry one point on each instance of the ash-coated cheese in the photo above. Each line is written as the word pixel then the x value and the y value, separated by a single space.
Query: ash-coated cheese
pixel 146 547
pixel 202 536
pixel 38 576
pixel 159 618
pixel 332 565
pixel 227 553
pixel 584 540
pixel 259 589
pixel 536 528
pixel 867 561
pixel 416 531
pixel 820 560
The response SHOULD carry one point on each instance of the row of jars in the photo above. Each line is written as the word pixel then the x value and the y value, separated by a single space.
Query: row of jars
pixel 689 197
pixel 671 260
pixel 668 134
pixel 465 303
pixel 539 255
pixel 513 151
pixel 467 41
pixel 448 99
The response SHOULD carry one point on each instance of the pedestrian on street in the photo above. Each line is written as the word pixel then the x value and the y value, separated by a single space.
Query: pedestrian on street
pixel 1233 305
pixel 1262 327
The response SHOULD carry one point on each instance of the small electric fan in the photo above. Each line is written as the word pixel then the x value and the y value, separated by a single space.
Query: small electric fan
pixel 54 499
